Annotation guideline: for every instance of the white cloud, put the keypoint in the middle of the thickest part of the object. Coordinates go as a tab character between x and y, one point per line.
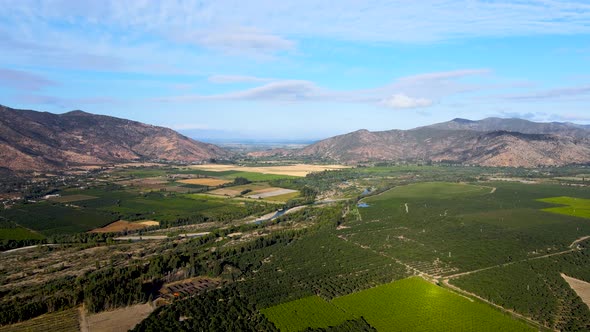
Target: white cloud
430	86
370	20
243	40
401	101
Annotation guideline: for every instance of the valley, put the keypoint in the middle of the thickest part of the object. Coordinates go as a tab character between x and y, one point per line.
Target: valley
456	229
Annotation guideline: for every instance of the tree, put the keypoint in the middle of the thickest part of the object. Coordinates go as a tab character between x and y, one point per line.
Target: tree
239	181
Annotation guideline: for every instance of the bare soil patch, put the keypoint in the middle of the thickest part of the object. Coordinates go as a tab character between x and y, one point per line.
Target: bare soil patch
300	170
122	225
118	320
226	192
271	192
581	287
212	182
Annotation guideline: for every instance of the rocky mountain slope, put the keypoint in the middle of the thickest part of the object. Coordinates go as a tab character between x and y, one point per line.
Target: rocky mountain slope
490	142
31	140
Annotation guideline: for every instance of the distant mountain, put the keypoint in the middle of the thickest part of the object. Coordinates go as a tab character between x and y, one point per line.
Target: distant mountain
516	125
31	140
490	142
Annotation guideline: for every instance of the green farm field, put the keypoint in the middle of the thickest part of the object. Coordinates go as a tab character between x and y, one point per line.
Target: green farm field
309	312
416	305
229	175
447	228
19	233
109	205
570	206
407	305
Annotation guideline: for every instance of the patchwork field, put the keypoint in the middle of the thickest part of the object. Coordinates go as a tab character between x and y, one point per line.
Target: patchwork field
210	182
256	190
298	170
122	225
407	305
113	203
309	312
570	206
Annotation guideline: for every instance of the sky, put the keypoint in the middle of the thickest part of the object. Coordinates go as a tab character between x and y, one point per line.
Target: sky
297	70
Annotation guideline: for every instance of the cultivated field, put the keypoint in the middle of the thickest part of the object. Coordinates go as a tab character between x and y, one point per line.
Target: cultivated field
256	190
570	206
120	320
71	198
291	170
536	288
407	305
309	312
417	305
122	225
63	321
210	182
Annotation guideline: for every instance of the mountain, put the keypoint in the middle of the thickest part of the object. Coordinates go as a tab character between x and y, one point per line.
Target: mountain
490	142
31	140
516	125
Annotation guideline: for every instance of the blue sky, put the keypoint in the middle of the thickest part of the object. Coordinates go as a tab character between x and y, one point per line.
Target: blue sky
297	69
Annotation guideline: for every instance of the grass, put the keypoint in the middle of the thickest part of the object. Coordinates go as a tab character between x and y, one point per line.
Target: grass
309	312
63	321
571	206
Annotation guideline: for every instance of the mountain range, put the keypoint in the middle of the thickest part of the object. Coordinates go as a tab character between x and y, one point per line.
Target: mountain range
488	142
41	141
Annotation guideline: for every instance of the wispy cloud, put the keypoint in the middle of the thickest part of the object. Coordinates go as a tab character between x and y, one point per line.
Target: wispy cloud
401	101
40	99
228	79
160	30
242	40
22	80
558	93
406	92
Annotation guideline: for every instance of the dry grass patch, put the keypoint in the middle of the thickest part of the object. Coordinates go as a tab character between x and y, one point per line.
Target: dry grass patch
120	320
582	288
272	192
226	192
122	225
300	170
211	182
